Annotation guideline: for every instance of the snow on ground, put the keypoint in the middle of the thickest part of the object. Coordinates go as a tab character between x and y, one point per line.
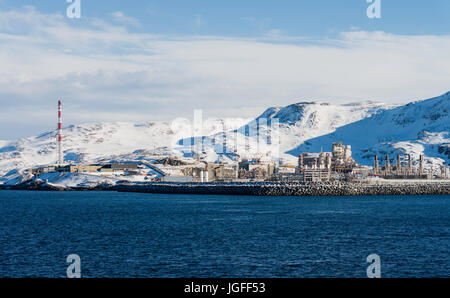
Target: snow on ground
14	177
74	179
3	143
87	143
297	124
417	128
371	128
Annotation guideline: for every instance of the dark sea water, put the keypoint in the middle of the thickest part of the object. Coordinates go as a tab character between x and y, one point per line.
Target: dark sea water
150	235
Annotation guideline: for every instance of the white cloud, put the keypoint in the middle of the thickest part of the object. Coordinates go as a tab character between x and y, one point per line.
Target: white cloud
275	34
104	72
120	17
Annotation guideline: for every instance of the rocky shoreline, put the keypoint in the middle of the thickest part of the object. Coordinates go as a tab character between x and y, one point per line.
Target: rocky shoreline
261	189
285	189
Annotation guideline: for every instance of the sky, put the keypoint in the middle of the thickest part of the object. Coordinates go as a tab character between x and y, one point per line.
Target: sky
159	60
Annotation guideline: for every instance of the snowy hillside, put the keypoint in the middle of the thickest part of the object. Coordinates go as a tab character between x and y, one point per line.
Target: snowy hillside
420	127
371	128
297	123
92	142
301	122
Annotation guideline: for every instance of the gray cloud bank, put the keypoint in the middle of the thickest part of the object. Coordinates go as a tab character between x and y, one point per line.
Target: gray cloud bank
105	72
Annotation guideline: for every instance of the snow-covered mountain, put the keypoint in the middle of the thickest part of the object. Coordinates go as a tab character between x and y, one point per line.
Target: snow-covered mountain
420	127
304	121
291	126
92	142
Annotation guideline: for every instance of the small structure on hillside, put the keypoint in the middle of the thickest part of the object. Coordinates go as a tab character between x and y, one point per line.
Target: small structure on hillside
118	168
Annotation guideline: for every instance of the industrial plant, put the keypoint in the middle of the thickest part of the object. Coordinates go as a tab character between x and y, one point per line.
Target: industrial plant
331	166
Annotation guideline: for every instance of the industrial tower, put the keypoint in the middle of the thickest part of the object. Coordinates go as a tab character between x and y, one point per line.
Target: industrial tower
59	134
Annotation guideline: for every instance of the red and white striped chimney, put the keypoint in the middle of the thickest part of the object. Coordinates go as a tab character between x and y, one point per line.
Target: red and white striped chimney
59	134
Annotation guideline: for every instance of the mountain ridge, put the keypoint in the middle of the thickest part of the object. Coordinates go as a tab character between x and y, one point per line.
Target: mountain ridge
419	127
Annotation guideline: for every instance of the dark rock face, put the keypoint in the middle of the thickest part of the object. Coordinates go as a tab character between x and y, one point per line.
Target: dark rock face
170	161
444	149
35	185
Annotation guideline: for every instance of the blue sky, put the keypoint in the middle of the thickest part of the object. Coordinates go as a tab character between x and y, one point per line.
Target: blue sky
158	60
314	18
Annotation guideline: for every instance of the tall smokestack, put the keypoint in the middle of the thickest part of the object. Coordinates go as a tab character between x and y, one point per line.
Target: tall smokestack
409	164
398	164
59	135
387	165
328	156
421	165
376	164
300	161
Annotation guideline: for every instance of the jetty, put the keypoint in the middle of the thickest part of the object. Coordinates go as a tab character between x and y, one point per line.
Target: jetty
292	189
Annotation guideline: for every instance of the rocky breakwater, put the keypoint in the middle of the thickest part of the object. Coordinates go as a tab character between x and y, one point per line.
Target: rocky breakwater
291	189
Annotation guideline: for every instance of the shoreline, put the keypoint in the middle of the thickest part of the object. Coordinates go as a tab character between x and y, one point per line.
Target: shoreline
260	188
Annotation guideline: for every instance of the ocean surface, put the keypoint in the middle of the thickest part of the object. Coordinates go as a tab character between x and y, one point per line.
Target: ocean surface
152	235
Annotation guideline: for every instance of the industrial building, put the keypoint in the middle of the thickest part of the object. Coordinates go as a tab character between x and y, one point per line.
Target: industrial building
92	168
78	168
257	169
328	166
403	170
336	165
339	165
116	168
